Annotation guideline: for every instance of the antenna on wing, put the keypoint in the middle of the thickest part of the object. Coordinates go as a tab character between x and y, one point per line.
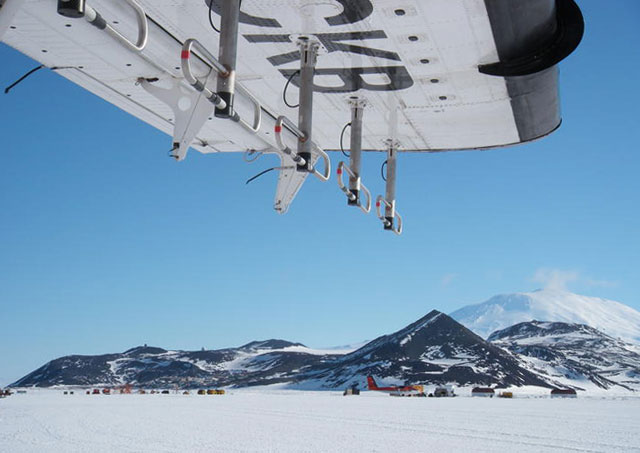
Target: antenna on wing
391	219
356	188
32	71
284	92
307	151
264	172
208	89
37	68
344	129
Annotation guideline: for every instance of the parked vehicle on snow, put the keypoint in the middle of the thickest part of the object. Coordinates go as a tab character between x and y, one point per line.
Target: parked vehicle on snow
563	393
483	391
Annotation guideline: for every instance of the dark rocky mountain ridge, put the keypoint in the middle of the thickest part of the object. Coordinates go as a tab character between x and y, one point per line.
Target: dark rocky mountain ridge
435	349
574	354
251	364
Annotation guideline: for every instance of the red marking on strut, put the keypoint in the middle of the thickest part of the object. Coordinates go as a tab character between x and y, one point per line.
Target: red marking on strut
278	129
185	54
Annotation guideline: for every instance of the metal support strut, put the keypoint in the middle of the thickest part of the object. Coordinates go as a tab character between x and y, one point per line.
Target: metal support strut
283	121
79	8
308	58
187	48
355	184
356	150
229	20
389	200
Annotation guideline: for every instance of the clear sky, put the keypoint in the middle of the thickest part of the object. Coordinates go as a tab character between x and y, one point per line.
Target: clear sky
106	243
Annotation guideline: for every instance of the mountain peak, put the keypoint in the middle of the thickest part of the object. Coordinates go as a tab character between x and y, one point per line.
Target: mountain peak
433	349
552	305
425	321
272	343
140	350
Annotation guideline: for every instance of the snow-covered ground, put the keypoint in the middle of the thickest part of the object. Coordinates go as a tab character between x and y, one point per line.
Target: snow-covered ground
283	421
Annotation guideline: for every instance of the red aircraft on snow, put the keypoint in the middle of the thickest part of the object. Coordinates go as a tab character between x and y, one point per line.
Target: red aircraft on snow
395	390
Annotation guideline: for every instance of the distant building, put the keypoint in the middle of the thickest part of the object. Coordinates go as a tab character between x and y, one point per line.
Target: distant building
483	391
563	393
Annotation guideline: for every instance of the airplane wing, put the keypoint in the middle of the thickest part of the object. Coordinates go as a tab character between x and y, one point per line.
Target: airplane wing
436	75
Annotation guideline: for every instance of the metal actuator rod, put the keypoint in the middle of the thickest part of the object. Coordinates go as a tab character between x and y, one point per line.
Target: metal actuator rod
390	192
308	58
357	109
391	219
229	20
356	188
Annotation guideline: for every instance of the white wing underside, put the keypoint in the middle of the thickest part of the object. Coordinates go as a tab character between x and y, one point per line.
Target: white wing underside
420	66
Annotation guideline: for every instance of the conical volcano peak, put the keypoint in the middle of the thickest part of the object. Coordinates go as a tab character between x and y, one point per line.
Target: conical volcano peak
551	305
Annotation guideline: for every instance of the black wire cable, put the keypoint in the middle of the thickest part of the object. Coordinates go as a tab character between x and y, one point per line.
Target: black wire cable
210	19
6	90
267	171
53	68
384	164
261	173
284	92
344	129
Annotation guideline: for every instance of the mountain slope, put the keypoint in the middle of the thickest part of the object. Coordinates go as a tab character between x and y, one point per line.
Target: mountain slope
433	350
574	354
613	318
255	363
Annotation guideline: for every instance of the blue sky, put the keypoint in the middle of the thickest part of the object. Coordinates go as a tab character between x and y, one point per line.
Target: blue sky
106	243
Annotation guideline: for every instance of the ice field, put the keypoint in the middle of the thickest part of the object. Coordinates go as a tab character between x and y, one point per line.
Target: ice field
295	421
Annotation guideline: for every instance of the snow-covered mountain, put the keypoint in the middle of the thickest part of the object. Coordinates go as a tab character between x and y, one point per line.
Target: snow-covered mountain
575	355
258	362
433	350
613	318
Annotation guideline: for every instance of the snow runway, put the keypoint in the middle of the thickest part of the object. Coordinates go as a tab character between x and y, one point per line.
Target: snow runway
313	421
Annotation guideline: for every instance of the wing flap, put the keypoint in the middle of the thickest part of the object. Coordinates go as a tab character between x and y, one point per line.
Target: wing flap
289	184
